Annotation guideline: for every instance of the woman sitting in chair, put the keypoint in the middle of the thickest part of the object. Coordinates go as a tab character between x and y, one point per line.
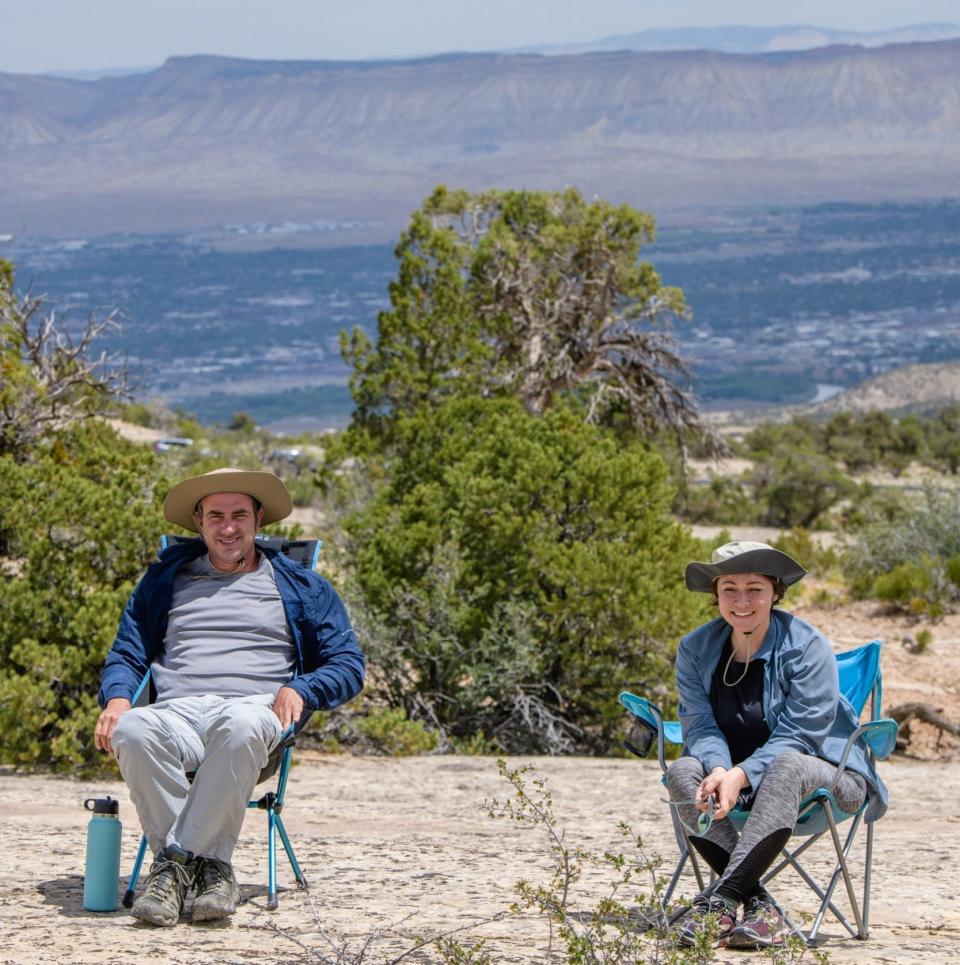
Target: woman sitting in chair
763	726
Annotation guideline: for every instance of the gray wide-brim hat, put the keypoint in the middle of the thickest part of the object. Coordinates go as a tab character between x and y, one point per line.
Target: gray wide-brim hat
743	556
265	487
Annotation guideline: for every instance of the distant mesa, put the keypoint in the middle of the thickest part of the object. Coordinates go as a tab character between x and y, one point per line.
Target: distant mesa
210	140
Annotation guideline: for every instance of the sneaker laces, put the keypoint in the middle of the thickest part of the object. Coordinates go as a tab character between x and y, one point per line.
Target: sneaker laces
165	875
761	902
211	873
712	905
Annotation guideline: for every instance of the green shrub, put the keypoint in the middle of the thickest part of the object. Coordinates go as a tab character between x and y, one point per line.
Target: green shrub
516	572
952	570
795	487
303	489
822	596
138	414
819	559
920	588
903	583
722	500
911	559
475	745
80	518
390	731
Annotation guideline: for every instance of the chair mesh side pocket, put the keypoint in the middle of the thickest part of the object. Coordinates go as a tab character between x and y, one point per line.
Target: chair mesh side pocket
639	737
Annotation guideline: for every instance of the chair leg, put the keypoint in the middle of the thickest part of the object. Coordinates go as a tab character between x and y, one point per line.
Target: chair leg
867	874
288	847
675	878
686	852
790	860
127	900
825	898
834	879
695	864
842	861
271	860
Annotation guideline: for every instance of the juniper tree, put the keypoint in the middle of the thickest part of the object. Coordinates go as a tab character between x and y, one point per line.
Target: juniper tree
516	571
539	295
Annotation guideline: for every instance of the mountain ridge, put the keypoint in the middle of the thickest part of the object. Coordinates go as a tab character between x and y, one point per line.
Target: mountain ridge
206	138
920	387
734	38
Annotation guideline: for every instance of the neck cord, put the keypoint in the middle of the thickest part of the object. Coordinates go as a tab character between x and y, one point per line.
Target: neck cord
746	667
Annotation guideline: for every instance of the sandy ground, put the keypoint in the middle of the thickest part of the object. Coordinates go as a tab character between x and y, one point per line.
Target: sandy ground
404	843
403	846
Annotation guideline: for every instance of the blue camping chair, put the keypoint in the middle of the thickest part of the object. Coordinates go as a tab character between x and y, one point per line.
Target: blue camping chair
306	552
819	814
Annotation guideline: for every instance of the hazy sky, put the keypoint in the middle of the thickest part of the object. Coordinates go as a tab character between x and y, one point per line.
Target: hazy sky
38	35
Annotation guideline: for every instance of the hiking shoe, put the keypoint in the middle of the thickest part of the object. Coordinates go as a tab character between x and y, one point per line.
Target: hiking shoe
711	914
217	890
171	875
762	925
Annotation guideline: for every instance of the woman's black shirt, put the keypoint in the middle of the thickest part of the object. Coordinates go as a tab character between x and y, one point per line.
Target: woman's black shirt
738	709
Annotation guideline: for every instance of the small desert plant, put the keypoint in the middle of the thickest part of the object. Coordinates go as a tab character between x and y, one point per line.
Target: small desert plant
629	925
613	932
923	638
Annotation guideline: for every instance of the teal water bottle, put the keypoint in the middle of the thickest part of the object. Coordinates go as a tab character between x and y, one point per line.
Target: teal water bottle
101	879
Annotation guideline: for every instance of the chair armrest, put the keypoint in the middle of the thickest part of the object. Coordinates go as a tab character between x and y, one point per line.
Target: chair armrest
649	714
880	736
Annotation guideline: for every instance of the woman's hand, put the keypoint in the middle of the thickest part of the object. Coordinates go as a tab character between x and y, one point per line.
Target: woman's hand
725	786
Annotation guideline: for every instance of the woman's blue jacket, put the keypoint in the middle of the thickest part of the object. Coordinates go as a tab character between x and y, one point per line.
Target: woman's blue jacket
802	703
329	666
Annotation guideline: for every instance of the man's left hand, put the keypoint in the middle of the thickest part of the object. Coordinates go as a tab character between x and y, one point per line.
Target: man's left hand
288	706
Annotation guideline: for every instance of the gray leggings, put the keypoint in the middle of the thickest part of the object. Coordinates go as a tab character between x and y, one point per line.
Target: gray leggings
741	862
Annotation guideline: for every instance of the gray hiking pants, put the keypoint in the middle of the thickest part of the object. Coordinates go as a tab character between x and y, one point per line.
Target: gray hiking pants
226	740
741	861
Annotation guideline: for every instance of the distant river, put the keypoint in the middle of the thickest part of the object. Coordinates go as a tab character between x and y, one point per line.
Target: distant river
825	392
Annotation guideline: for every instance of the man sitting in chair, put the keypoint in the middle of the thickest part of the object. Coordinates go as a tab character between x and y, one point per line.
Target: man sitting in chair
241	643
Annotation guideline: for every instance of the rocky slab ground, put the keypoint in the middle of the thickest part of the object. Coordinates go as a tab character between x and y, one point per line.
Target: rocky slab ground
402	847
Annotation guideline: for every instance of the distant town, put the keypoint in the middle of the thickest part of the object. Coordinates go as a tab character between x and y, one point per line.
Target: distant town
788	305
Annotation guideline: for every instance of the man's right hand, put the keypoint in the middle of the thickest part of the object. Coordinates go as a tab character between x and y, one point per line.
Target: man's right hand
107	723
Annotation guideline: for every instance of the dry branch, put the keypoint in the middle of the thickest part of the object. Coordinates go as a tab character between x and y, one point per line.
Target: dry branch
906	714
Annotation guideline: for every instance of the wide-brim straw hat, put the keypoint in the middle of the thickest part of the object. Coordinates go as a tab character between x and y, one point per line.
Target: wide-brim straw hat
267	488
743	556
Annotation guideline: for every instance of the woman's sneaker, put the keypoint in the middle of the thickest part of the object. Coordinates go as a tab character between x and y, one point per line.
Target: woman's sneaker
761	927
710	914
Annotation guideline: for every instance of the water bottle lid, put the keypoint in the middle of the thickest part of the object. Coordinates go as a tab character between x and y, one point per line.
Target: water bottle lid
102	805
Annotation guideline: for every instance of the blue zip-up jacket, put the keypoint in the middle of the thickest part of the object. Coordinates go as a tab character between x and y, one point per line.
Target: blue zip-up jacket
329	665
802	703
